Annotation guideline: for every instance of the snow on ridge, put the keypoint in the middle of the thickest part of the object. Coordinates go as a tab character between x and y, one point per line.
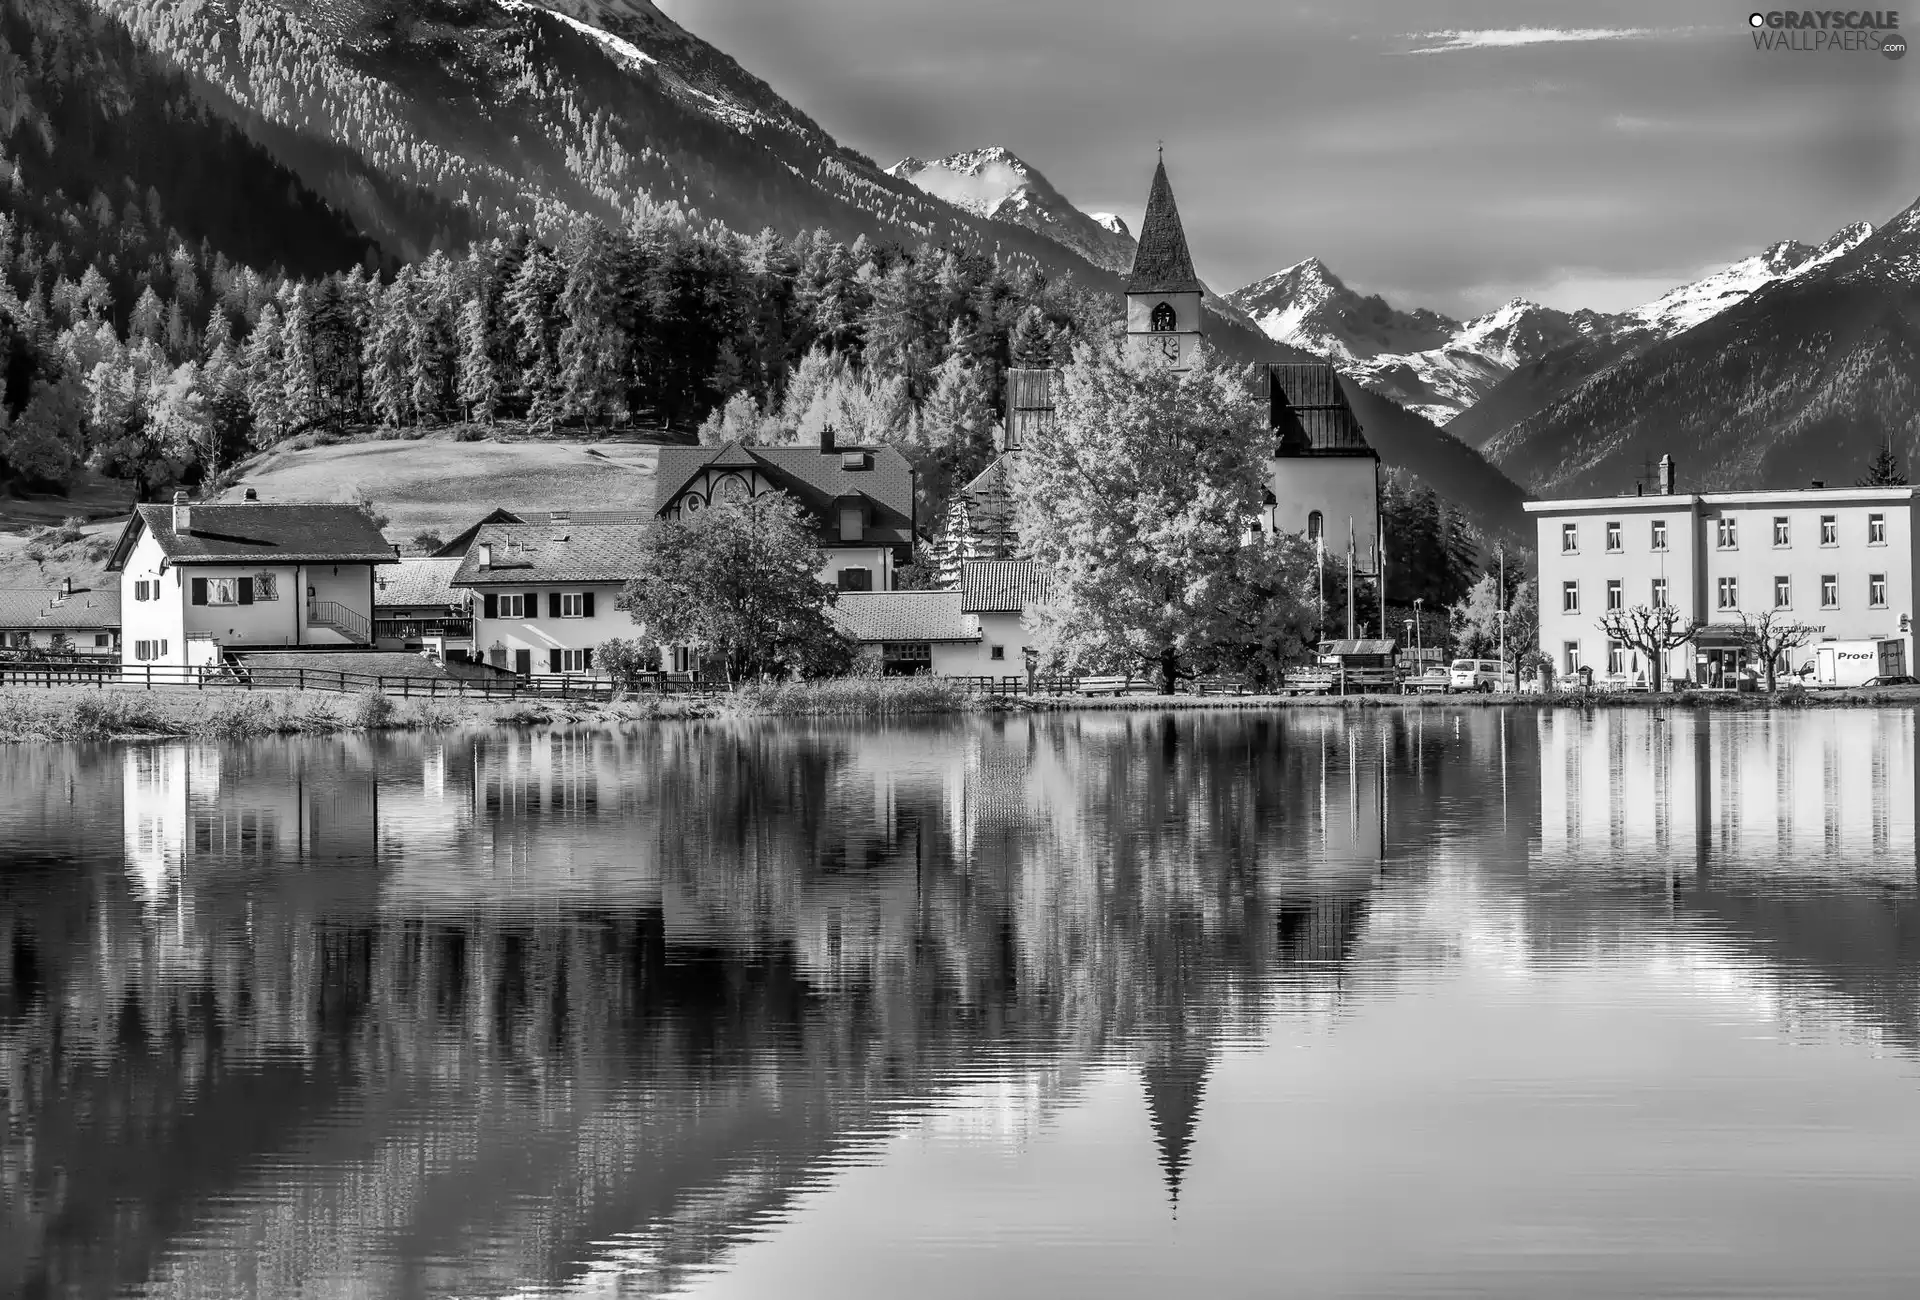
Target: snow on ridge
620	45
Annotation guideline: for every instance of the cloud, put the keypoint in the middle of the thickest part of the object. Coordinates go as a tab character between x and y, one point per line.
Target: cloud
1501	38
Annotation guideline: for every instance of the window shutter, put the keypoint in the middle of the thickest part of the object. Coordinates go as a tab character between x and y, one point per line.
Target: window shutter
586	605
553	604
246	591
533	605
490	605
586	656
553	661
199	591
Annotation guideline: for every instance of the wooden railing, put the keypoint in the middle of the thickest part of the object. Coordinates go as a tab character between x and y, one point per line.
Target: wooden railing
412	629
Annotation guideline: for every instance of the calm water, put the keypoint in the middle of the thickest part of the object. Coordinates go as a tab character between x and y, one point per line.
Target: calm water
1435	1003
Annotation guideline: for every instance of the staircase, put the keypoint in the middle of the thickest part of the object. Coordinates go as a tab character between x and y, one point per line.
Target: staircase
352	627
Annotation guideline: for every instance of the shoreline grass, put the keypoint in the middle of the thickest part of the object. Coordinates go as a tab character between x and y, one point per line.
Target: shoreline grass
80	713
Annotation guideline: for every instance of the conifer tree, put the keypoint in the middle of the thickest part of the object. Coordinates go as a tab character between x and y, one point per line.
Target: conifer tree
266	378
299	380
479	385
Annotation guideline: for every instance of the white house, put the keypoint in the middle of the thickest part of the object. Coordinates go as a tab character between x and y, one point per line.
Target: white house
545	593
916	633
32	618
200	581
1839	560
415	607
862	499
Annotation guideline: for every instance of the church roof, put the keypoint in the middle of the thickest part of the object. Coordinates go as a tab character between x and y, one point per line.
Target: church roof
1310	415
1162	264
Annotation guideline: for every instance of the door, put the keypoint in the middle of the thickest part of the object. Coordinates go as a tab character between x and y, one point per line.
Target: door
523	662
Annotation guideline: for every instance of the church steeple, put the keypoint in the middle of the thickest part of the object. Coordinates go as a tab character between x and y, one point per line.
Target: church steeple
1176	1080
1163	293
1161	263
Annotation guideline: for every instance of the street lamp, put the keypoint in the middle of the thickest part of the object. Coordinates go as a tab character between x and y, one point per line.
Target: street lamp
1500	615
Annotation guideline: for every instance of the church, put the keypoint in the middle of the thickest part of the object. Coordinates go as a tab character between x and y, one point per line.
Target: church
1322	477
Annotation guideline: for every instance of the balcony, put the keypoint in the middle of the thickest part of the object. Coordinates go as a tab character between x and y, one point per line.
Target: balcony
416	629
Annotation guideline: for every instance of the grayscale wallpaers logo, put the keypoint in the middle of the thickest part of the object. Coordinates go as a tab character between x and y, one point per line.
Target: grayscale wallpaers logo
1874	31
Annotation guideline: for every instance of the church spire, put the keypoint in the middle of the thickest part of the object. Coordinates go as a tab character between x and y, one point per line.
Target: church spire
1161	264
1176	1080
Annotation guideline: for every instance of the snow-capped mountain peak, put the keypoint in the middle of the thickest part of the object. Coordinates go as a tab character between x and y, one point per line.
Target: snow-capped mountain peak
1682	308
996	183
1308	306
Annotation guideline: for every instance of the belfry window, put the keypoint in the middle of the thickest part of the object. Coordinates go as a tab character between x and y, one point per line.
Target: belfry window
1162	319
1316	525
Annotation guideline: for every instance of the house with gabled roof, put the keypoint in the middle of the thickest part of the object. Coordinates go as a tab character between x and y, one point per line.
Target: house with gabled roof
862	499
415	607
1323	477
33	619
201	581
544	594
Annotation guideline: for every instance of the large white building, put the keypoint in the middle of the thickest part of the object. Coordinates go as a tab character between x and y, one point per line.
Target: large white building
1839	560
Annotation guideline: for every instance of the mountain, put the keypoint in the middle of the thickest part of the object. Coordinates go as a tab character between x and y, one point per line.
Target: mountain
1805	377
1536	383
1308	307
995	184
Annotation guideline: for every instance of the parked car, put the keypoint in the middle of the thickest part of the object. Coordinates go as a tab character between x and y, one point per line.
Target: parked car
1475	675
1891	679
1435	680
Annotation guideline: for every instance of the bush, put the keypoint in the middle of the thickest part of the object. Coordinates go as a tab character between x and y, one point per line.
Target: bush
855	696
373	710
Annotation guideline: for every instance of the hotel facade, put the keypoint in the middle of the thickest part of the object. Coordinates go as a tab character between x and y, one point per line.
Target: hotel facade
1840	560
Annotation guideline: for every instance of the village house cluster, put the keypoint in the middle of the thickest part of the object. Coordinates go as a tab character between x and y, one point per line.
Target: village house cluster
203	585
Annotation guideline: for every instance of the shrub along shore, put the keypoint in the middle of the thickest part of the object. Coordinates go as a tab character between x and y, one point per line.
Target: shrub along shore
123	713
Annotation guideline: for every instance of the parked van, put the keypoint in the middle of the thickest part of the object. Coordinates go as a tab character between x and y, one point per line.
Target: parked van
1851	663
1474	675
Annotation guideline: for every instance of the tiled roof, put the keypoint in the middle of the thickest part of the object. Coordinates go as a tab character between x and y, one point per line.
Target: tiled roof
45	609
415	582
1162	264
1001	586
1309	412
875	616
458	546
816	477
525	553
252	532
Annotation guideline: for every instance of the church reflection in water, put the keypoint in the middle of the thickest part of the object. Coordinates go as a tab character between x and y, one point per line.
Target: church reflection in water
459	1013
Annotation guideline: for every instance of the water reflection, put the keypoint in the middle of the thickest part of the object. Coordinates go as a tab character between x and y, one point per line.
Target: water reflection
439	1015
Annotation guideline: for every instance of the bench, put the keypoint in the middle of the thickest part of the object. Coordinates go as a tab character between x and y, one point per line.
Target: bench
1105	685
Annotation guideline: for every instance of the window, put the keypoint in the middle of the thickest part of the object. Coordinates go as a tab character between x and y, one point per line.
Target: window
1659	534
266	586
1614	600
1616	658
1316	526
1571	657
997	652
1877	590
573	604
1876	530
1570	598
1829	530
856	579
1829	591
1162	319
1783	593
101	640
1729	593
852	523
144	590
1569	538
1613	534
1780	533
571	661
1659	592
149	650
1729	534
513	606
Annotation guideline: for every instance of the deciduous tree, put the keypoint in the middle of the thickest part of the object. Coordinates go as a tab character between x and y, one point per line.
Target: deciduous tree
1768	635
1653	630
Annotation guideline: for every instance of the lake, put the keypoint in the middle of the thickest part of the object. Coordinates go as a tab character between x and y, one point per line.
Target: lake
1318	1003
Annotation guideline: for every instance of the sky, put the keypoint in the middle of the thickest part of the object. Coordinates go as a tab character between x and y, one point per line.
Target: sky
1450	154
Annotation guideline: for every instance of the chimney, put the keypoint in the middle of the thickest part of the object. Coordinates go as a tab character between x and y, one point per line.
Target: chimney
253	494
396	550
66	587
1666	475
826	438
1639	488
486	554
182	514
